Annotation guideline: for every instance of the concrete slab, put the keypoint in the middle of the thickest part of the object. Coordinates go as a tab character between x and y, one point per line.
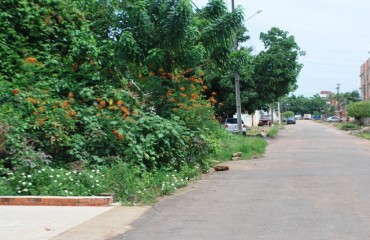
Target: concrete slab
42	222
116	221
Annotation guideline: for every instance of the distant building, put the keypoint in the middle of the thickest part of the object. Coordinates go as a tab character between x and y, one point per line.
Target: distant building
365	80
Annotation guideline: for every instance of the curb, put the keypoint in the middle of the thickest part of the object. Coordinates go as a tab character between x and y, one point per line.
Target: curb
55	201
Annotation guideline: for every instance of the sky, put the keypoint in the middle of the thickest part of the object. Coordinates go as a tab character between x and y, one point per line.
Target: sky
334	34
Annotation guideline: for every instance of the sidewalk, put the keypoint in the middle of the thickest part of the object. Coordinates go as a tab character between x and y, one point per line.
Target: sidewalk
49	222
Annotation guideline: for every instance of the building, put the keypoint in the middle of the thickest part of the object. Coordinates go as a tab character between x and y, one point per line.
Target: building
365	80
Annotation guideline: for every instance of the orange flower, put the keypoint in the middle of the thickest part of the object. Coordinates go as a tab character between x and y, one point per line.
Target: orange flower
40	121
160	70
112	107
125	110
119	102
15	91
212	99
214	93
31	60
194	96
98	99
102	103
120	137
184	95
152	74
75	66
182	88
171	76
71	113
32	100
64	104
71	95
115	132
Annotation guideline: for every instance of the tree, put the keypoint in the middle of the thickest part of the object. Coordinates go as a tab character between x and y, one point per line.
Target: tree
359	109
277	68
288	114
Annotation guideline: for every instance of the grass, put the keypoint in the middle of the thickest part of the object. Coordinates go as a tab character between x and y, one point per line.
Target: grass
248	146
273	132
349	126
363	135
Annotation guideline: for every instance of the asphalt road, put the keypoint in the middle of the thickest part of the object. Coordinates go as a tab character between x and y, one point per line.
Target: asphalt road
313	183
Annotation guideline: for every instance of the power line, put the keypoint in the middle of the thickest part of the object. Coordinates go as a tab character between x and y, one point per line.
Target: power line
332	65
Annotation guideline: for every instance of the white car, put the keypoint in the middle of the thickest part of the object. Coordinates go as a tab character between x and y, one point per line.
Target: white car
231	124
333	119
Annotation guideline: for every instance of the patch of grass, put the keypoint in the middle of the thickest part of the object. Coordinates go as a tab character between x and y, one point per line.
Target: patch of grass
363	135
248	146
348	126
273	132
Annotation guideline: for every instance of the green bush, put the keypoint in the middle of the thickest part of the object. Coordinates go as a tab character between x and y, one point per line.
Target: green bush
359	109
54	181
273	132
348	126
133	185
288	114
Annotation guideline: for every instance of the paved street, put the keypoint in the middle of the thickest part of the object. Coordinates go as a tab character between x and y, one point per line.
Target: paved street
313	183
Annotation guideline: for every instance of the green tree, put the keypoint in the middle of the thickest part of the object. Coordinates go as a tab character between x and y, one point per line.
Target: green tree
359	109
277	68
288	114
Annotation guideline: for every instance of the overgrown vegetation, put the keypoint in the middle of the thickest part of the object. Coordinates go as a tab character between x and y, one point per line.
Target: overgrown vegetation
273	132
120	96
349	126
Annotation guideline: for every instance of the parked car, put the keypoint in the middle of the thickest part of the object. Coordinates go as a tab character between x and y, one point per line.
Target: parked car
333	119
307	116
298	117
265	120
290	120
231	124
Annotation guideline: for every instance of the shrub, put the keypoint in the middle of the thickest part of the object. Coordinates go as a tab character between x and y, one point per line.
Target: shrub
347	126
288	114
359	109
54	181
273	132
133	185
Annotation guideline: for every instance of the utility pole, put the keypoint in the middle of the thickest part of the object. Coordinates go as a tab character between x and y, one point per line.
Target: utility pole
339	113
237	83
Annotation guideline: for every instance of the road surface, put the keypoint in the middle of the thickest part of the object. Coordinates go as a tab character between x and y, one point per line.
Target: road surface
313	183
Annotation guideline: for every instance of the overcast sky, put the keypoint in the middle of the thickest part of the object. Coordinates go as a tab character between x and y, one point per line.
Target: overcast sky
335	35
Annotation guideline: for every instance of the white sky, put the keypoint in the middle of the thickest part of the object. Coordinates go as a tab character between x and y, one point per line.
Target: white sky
334	34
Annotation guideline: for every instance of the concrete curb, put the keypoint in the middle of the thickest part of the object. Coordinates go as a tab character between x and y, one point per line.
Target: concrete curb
56	201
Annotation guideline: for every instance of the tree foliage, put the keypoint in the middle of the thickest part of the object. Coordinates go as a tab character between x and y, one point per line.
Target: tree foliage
96	82
359	109
277	68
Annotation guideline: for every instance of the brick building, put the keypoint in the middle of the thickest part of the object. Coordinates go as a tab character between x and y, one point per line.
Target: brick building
365	80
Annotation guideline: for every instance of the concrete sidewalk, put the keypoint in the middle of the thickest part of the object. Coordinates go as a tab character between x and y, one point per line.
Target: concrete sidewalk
49	222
